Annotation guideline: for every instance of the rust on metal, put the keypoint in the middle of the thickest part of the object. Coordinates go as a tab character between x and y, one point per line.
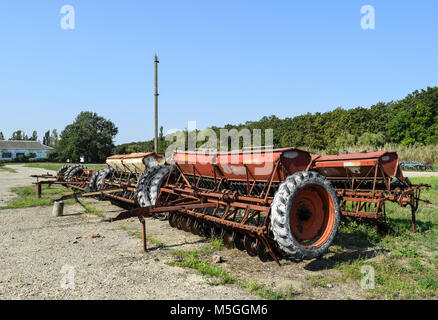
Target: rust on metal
231	193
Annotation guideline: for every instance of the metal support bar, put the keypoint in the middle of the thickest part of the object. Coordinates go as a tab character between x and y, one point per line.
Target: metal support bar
148	211
38	189
143	225
156	104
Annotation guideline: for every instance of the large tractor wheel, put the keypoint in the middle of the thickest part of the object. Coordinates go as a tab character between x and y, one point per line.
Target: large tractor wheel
105	173
75	171
67	171
305	215
149	186
61	172
157	181
93	180
143	186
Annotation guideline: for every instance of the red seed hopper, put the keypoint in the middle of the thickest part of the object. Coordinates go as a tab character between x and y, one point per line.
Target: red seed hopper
364	181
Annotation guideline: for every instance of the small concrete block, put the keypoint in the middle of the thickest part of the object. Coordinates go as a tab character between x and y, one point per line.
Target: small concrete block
58	208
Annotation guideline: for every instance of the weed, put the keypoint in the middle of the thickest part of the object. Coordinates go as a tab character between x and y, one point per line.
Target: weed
8	169
93	210
27	197
56	166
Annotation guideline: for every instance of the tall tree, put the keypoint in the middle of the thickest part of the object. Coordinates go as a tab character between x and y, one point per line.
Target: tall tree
46	138
18	135
34	136
53	140
89	136
1	136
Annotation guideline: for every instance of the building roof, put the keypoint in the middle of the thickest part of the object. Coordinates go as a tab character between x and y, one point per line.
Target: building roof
22	144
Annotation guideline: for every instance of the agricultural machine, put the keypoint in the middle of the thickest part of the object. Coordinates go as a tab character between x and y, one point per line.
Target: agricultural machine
117	182
280	203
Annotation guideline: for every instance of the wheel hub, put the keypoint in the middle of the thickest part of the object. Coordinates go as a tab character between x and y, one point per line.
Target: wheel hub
304	213
310	213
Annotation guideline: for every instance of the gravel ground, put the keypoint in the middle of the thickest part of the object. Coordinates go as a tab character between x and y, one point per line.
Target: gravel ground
37	249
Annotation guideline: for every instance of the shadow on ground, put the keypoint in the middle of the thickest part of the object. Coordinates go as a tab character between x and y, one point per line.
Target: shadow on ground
329	262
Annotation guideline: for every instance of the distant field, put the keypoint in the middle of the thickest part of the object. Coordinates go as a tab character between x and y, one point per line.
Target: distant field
56	166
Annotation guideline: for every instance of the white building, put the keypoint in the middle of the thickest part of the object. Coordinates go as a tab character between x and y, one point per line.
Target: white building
11	149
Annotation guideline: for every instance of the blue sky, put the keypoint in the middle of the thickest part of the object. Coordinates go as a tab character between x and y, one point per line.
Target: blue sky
220	61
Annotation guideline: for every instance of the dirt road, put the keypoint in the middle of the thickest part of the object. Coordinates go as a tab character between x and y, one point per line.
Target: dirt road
20	178
412	174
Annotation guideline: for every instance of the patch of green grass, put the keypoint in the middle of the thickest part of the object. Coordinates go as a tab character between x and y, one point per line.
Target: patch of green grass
352	233
196	260
56	166
139	235
434	261
27	197
156	242
406	273
409	268
216	243
405	263
27	202
268	293
93	210
190	259
428	194
46	190
317	280
8	169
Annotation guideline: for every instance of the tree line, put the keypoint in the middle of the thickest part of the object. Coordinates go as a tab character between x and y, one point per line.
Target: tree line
21	135
407	122
412	121
49	139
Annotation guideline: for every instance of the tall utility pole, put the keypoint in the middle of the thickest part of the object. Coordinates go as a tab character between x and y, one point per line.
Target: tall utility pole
156	104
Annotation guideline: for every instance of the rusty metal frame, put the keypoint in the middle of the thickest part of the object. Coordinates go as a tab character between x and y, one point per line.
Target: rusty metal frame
240	210
362	200
230	203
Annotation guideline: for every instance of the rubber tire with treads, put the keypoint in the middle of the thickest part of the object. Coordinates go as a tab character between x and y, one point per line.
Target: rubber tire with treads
67	172
157	181
143	186
281	217
62	171
78	170
93	180
103	174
